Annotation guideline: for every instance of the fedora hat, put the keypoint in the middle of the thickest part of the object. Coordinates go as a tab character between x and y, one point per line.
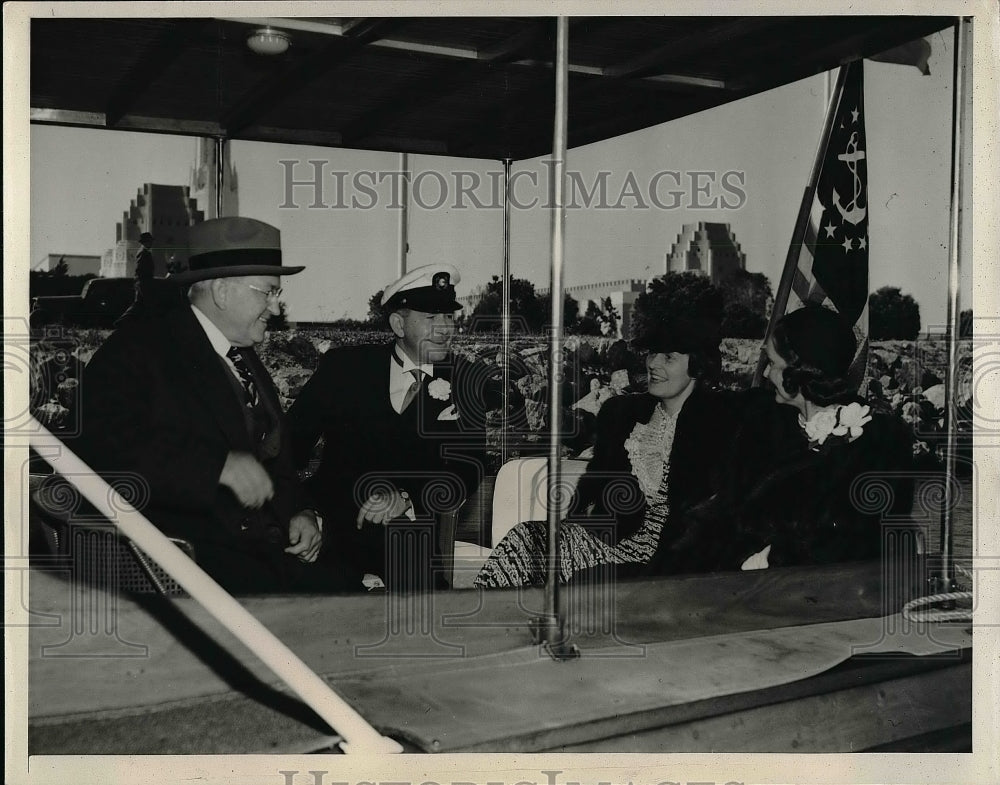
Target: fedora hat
232	247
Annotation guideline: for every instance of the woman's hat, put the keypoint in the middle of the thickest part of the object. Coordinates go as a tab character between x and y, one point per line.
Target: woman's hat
683	334
232	247
820	337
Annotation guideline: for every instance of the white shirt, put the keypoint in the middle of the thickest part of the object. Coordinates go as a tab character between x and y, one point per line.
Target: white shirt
400	377
220	343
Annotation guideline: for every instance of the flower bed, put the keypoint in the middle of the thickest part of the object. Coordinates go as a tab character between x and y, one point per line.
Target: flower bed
904	377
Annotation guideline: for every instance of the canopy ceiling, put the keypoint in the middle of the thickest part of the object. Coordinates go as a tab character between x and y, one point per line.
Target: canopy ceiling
477	87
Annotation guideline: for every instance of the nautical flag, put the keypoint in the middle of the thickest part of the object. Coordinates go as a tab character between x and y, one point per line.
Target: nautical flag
833	264
832	267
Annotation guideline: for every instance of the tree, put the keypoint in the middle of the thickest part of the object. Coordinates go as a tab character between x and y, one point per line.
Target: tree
740	321
893	315
524	303
751	290
688	294
571	311
377	318
747	301
600	318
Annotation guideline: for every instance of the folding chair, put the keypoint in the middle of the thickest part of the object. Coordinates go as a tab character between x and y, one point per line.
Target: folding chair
521	492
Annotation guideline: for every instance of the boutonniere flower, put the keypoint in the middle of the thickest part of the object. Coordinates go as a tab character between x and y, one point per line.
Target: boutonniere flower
440	389
844	421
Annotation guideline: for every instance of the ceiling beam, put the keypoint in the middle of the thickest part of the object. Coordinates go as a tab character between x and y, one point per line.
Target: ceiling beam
683	45
447	78
168	45
298	74
873	37
515	46
166	125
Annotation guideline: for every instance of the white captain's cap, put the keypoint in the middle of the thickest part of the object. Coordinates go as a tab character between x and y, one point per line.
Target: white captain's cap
430	289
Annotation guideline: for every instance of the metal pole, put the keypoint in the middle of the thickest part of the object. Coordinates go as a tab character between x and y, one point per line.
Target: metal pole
505	316
358	736
404	216
220	153
945	579
552	618
801	223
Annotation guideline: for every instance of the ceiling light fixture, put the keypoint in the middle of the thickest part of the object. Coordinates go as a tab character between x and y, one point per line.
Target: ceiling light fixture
268	41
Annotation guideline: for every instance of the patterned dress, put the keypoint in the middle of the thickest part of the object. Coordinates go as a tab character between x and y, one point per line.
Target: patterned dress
520	557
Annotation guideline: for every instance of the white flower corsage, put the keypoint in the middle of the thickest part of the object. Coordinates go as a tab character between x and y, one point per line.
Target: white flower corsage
851	420
440	389
820	425
846	421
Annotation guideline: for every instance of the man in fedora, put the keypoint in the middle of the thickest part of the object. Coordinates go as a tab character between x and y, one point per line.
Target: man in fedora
182	401
403	426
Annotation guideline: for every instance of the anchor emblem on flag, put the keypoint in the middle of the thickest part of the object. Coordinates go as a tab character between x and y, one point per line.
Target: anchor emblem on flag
851	155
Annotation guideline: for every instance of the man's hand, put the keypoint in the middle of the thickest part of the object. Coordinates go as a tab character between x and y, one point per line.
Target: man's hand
383	506
247	479
304	536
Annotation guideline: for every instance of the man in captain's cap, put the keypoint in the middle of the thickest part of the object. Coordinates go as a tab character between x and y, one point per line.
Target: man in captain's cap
181	399
403	429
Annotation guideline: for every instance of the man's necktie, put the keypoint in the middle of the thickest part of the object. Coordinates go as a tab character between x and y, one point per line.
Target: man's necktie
246	378
412	390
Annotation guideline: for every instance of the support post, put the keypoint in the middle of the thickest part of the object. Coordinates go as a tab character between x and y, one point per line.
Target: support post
551	623
944	580
505	317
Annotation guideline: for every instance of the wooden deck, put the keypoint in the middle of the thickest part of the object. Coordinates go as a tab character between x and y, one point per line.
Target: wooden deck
782	660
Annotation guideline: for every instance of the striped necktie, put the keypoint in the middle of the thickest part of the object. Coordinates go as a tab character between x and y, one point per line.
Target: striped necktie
246	378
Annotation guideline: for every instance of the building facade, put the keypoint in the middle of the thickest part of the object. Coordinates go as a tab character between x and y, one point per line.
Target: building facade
76	264
709	248
216	199
622	293
166	212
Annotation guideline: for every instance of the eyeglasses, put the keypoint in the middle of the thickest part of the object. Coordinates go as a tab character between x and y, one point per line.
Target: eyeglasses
271	294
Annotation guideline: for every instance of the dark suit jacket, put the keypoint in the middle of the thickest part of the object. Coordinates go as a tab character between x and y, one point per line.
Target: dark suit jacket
346	401
608	491
158	403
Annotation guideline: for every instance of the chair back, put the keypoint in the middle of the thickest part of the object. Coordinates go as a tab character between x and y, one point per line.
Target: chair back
96	551
521	492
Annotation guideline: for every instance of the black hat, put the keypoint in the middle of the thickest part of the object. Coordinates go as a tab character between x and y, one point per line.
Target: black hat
430	289
819	337
146	238
682	334
233	247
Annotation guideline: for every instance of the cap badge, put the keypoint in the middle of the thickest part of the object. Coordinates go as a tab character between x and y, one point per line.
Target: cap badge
441	280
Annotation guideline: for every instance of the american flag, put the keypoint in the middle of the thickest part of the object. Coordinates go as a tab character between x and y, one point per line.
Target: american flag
833	263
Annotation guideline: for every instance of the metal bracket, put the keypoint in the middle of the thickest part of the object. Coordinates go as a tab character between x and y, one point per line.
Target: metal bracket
548	633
